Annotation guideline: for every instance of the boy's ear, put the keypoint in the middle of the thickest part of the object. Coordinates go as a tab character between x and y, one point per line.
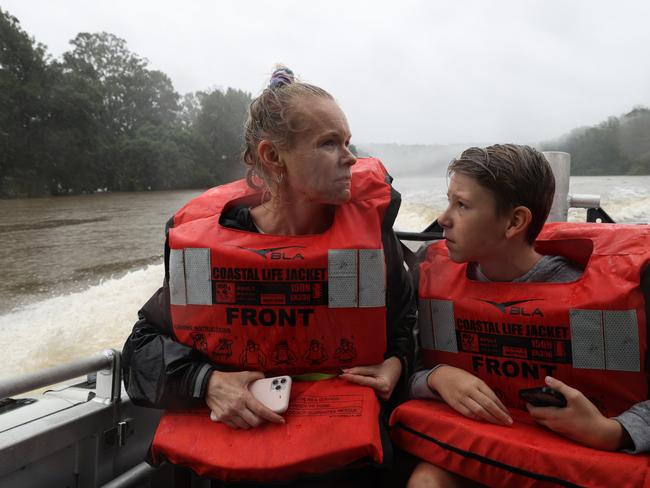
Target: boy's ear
519	221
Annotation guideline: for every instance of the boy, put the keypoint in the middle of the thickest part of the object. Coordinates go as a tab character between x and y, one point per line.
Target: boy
499	198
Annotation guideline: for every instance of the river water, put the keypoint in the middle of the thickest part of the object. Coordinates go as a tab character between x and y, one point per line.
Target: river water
76	269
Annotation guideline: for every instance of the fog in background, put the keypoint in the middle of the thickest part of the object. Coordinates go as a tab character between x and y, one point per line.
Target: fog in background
408	72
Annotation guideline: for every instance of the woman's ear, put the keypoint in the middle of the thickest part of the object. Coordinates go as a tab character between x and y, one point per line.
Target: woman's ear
269	156
519	221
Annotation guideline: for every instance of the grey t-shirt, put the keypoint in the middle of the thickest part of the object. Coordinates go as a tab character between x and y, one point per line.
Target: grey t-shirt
552	269
549	269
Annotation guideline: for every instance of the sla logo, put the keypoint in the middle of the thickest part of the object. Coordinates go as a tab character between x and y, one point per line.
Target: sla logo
511	308
277	252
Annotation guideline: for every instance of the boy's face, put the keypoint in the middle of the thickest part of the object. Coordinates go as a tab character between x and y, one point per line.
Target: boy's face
473	231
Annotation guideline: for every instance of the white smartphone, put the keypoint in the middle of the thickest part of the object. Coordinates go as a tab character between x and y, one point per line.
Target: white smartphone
273	392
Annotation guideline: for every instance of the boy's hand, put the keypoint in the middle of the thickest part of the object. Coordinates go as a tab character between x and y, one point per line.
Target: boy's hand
468	395
580	420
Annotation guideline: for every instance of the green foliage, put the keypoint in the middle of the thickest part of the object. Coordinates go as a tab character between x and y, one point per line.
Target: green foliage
621	145
100	118
25	99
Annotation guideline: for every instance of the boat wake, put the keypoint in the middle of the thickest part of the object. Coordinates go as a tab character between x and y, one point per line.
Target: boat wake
67	327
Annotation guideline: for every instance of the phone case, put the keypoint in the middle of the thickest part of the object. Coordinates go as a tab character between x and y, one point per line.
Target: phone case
273	392
543	397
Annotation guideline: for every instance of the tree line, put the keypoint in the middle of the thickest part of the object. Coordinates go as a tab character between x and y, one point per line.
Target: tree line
100	119
617	146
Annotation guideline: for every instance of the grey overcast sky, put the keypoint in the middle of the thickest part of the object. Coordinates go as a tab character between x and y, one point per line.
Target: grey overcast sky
404	71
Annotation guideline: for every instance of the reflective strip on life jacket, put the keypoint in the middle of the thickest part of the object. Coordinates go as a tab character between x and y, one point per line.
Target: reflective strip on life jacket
357	277
190	277
600	339
605	339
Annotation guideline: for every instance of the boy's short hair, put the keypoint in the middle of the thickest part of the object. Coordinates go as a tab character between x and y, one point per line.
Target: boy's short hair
516	175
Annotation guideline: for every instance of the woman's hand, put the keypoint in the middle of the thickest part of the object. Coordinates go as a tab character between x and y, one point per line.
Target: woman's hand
381	377
580	420
233	404
468	395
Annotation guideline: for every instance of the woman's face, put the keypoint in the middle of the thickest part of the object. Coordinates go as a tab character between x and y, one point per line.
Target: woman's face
317	166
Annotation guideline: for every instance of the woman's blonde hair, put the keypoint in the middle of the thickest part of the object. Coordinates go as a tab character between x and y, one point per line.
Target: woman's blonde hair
273	116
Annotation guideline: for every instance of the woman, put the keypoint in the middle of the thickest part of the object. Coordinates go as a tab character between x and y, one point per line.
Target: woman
300	196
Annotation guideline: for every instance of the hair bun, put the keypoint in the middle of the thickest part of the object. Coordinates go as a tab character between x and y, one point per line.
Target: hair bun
281	76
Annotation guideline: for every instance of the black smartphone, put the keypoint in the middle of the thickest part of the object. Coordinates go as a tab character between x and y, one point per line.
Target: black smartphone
543	396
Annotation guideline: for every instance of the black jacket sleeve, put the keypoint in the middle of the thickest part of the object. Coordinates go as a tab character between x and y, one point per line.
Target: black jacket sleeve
159	371
400	305
414	274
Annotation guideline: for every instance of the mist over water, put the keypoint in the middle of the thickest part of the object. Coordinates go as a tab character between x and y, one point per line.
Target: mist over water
77	269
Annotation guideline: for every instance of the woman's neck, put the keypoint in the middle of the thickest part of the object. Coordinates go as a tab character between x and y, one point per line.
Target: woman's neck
295	218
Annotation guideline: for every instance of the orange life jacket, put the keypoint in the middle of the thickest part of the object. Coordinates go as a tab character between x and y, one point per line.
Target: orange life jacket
522	455
590	333
282	305
330	425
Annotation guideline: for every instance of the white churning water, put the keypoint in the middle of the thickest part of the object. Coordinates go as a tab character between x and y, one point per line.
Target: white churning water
67	327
